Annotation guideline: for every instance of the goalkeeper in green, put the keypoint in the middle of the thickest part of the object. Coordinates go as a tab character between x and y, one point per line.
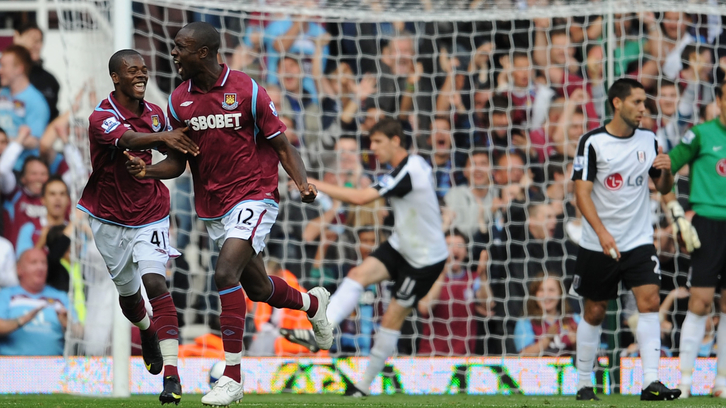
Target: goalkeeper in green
704	149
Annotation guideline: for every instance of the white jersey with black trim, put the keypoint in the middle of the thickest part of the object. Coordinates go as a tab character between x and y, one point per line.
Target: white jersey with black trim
619	168
417	231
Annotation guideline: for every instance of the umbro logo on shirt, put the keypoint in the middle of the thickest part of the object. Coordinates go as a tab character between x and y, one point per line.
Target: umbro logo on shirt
717	148
186	103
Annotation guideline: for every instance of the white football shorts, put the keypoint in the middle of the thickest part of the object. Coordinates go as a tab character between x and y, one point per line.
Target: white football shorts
249	220
123	247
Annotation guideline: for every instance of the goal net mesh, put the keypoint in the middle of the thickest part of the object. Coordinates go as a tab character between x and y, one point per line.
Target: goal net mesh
494	94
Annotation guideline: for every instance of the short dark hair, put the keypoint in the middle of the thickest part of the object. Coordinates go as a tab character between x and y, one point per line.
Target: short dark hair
28	26
22	55
117	59
205	35
53	179
457	233
621	89
499	103
519	54
390	127
691	49
29	160
665	82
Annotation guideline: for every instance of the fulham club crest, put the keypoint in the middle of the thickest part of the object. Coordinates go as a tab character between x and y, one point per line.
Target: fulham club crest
230	101
641	156
155	123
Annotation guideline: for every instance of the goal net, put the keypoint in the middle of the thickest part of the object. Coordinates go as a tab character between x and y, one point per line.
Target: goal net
494	94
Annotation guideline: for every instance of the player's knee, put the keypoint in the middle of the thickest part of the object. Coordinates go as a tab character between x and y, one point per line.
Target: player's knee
700	306
356	274
258	291
595	314
153	275
225	278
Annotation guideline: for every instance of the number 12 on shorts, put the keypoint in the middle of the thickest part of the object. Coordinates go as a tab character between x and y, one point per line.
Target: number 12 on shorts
248	214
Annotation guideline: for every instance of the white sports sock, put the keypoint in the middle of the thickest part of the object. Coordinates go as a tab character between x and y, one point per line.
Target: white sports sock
588	340
648	333
721	353
694	328
385	345
344	301
169	351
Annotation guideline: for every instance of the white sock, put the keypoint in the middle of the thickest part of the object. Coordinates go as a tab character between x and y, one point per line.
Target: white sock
344	301
648	333
384	346
588	340
694	328
170	351
144	324
306	301
721	353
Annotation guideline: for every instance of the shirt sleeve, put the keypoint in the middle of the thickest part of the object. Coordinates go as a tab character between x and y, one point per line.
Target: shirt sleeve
268	120
106	128
37	115
523	334
173	119
394	186
686	151
585	165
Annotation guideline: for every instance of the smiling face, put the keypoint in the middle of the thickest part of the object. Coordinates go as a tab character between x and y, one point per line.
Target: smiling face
32	39
542	221
35	174
478	170
33	270
132	77
10	69
548	296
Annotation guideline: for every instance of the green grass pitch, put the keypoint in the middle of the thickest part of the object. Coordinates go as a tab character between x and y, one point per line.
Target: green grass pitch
295	400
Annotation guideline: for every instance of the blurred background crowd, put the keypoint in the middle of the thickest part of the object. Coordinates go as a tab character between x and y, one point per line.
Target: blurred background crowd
496	108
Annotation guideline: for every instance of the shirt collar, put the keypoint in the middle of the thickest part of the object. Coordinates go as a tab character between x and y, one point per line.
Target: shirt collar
123	112
220	81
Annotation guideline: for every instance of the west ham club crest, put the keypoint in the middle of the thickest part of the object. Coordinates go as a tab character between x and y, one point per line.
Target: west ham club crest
230	101
155	123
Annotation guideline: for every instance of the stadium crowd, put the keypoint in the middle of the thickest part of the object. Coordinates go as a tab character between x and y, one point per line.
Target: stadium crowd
496	108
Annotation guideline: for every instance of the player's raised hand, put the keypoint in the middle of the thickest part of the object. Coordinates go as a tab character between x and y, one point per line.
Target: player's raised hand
178	140
135	166
682	225
308	192
662	161
609	247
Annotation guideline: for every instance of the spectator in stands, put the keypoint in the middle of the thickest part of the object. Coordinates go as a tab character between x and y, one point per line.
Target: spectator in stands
570	127
23	208
530	99
440	158
472	203
21	104
696	89
594	75
342	98
22	331
297	102
450	326
294	37
30	36
500	124
548	328
57	202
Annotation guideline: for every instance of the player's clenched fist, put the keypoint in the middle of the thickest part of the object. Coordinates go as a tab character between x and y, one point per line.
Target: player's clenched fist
135	166
308	192
662	161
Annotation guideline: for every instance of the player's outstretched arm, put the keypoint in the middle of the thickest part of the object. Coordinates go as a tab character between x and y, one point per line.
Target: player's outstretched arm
356	196
174	139
664	181
583	193
171	167
294	166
